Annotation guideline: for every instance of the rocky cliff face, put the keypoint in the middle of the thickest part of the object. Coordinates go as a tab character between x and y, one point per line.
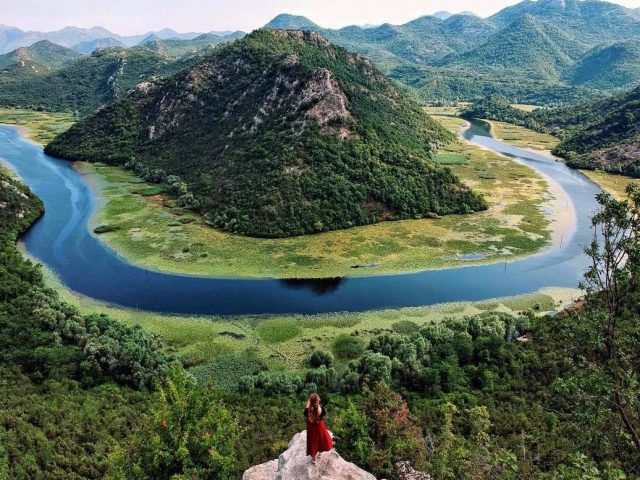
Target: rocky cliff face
294	464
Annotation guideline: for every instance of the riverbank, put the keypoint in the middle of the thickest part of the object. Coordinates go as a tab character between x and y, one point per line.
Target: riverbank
523	137
39	127
543	143
150	230
223	349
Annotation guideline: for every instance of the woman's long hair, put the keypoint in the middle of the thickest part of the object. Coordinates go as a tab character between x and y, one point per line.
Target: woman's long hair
313	408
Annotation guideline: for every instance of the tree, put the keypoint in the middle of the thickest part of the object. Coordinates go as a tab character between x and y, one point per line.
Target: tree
605	337
320	357
190	435
395	432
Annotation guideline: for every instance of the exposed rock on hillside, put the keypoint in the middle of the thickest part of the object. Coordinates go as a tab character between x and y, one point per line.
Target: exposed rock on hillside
294	464
405	471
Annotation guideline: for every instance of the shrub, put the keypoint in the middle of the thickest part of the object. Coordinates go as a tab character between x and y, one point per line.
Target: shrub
320	357
347	347
191	435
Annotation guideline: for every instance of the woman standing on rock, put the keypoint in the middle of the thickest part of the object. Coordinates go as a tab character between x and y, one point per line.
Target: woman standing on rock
318	437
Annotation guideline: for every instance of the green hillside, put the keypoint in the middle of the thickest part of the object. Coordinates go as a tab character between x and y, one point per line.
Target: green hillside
200	44
611	66
279	134
529	46
545	51
88	83
43	53
88	47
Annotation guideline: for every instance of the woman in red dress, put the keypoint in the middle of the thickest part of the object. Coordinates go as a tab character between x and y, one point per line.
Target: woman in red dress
318	437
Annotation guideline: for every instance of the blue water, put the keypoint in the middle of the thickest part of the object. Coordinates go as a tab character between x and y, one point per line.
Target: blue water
62	241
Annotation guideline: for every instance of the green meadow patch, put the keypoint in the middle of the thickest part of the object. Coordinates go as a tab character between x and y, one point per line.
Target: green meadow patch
277	330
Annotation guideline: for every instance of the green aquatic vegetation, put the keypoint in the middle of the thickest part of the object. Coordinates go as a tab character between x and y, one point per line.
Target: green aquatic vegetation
225	370
278	330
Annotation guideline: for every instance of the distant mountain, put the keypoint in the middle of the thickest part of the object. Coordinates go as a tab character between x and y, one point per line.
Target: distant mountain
89	82
67	37
176	48
12	38
279	134
442	15
164	34
87	48
44	54
611	66
532	47
531	51
292	22
590	21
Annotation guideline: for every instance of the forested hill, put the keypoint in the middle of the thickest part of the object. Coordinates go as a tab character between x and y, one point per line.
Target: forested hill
279	134
42	55
603	134
87	83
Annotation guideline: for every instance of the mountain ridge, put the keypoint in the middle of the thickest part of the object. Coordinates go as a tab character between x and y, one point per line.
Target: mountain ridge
44	53
425	47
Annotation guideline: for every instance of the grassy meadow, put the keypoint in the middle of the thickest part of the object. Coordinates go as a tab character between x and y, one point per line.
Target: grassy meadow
612	184
523	137
41	127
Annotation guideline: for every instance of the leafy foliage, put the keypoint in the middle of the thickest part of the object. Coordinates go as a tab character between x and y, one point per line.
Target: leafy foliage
191	435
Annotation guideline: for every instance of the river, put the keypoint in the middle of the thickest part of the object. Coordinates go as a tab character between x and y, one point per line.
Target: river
62	241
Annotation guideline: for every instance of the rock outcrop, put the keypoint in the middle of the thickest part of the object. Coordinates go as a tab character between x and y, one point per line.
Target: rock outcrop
294	464
405	471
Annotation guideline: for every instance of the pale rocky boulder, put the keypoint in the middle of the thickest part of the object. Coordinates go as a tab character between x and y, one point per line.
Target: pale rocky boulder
294	464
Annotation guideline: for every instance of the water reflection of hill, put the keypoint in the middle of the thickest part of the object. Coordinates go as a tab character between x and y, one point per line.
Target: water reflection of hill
319	286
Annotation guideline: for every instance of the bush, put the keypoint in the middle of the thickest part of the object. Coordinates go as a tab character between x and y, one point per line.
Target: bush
320	357
347	347
191	435
405	327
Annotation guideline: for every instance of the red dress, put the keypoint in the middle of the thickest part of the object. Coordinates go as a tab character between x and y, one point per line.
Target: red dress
318	437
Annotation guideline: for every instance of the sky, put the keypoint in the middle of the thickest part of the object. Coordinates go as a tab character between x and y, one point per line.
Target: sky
128	17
